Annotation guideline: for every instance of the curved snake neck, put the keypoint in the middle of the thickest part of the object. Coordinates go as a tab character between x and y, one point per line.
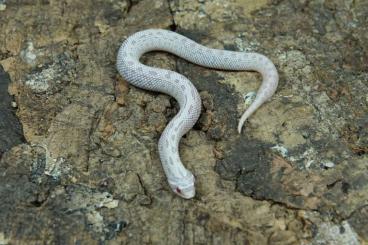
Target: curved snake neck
180	179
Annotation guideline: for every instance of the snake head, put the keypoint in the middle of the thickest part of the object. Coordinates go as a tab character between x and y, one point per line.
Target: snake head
184	186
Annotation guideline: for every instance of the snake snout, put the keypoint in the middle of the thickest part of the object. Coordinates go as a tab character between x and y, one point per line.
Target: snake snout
187	192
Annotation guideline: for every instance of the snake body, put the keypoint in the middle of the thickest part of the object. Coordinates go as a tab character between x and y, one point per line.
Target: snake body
179	178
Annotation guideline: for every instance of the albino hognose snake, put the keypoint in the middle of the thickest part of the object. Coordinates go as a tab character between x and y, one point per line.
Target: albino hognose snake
180	179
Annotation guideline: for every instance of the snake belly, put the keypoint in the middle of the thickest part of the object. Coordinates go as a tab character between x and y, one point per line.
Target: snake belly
181	180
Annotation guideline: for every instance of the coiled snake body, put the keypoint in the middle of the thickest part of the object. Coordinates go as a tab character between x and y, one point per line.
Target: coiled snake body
179	178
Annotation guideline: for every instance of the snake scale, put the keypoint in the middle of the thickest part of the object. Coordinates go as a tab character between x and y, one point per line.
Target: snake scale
181	180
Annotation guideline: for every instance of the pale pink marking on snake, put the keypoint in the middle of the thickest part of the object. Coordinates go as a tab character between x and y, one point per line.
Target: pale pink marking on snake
181	180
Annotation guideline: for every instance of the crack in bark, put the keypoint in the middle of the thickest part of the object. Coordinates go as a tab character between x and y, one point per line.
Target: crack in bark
145	192
173	26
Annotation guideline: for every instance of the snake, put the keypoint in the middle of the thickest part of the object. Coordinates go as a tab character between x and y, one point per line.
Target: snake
180	179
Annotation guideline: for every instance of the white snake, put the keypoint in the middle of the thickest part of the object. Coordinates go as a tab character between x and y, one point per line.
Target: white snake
179	178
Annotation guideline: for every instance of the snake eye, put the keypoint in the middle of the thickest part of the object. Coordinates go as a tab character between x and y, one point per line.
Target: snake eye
178	190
